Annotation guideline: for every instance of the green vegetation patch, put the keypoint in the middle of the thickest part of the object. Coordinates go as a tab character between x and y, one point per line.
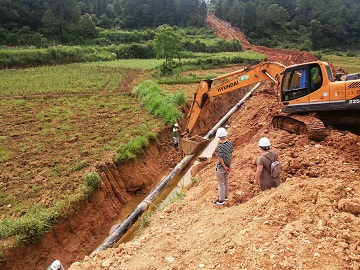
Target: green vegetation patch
62	79
349	63
196	61
56	138
143	64
159	102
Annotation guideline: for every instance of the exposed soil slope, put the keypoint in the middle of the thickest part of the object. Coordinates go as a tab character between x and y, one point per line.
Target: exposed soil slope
286	57
311	221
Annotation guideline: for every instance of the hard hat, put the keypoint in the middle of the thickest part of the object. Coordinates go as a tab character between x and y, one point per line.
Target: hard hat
176	125
264	142
56	265
221	132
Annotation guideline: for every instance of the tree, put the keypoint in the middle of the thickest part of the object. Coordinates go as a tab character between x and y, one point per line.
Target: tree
51	25
86	27
9	14
277	16
167	43
248	20
67	11
105	22
316	33
190	12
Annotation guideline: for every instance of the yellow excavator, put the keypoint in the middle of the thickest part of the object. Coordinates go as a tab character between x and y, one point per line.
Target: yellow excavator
304	88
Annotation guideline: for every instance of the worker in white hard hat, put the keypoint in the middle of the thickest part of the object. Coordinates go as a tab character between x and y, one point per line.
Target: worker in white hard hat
223	166
56	265
263	168
175	135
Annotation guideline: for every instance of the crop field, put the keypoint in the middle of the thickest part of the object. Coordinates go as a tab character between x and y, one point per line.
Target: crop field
56	122
87	78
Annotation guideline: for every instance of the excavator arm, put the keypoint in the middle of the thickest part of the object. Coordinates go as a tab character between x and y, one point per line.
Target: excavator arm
232	81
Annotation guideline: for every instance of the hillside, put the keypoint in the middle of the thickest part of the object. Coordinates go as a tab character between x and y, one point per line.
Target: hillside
309	222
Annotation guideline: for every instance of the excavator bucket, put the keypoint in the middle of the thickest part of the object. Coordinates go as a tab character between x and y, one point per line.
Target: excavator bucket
193	144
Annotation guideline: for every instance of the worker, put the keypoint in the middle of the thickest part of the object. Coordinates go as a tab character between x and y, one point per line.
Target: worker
175	134
223	166
56	265
262	174
316	79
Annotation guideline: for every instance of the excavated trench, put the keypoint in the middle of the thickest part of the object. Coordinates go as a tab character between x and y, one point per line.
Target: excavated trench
80	232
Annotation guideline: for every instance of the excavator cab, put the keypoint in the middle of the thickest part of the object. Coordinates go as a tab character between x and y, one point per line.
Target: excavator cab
301	81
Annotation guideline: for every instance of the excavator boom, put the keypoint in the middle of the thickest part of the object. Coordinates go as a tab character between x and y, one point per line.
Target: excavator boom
267	71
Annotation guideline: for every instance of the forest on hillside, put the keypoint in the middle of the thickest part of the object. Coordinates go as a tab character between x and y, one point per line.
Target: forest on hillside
299	24
302	24
24	22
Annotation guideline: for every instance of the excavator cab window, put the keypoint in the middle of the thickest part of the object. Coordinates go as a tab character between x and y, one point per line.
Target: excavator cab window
300	81
295	83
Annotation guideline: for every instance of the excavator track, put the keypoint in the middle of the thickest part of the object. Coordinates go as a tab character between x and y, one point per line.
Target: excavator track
301	124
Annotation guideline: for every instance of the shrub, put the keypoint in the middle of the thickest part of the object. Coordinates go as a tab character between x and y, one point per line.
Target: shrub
92	180
351	54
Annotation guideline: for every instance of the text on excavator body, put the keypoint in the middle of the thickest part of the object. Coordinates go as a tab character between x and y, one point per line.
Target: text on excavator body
232	84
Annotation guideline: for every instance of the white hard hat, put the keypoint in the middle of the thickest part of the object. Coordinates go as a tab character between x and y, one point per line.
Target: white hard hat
221	132
56	265
264	142
176	125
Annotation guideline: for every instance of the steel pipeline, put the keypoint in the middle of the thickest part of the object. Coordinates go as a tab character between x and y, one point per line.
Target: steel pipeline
118	232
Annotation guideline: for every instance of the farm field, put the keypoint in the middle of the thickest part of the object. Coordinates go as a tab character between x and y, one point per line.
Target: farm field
56	124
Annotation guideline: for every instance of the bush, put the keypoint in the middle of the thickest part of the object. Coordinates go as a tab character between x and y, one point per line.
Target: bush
92	180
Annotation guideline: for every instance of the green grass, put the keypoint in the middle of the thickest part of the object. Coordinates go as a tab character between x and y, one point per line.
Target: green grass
87	78
249	55
159	102
351	64
63	79
142	64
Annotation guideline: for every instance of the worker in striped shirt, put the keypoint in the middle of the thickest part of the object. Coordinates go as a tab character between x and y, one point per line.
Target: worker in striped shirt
223	166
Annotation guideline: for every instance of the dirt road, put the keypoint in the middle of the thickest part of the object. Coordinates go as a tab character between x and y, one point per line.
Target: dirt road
311	221
286	57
